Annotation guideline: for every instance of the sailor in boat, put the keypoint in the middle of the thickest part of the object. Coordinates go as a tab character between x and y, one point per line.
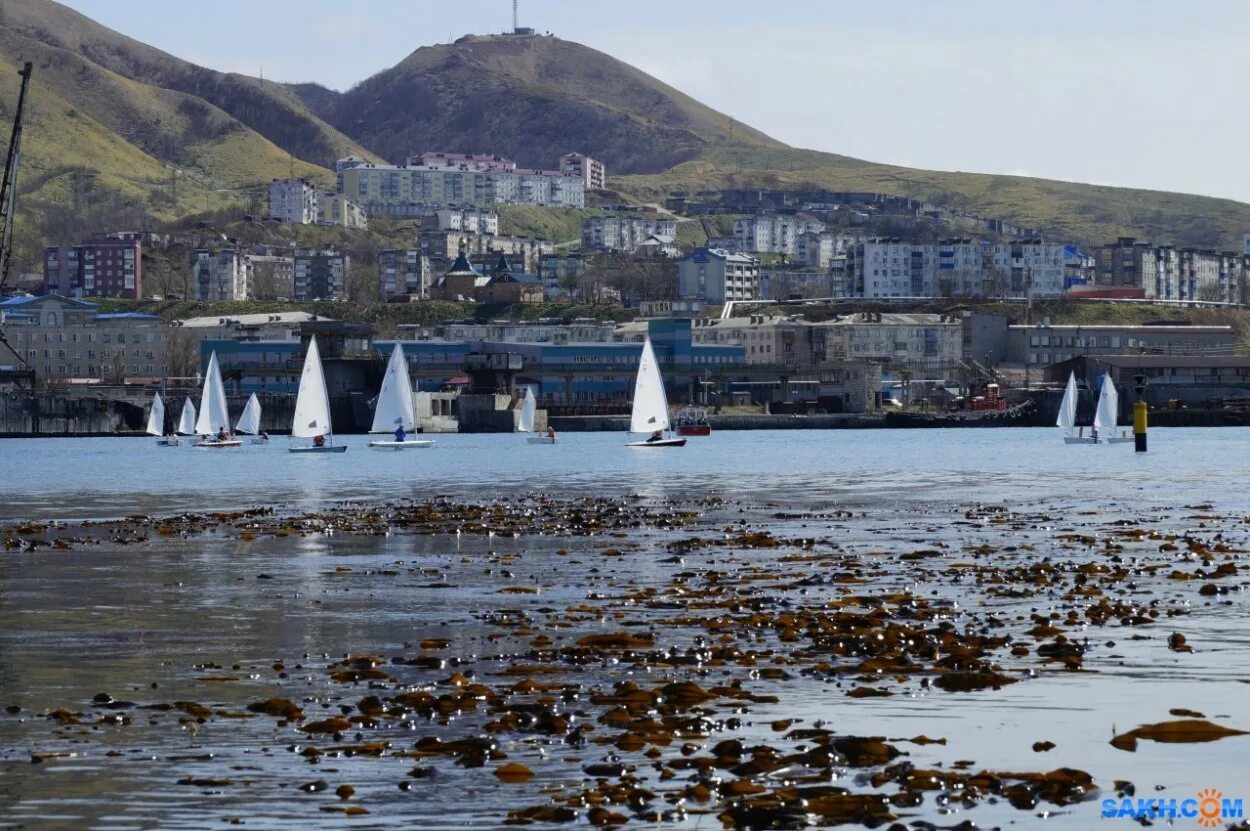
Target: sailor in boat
656	436
221	434
399	433
264	435
319	441
551	432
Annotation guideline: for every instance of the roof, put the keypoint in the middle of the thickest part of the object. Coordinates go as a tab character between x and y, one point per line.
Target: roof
1167	361
896	319
126	316
23	299
703	254
1164	327
462	267
250	319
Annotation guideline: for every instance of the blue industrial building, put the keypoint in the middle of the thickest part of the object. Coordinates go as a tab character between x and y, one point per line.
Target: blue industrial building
569	373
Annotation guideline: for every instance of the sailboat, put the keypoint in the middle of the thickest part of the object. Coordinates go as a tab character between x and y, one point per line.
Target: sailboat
249	421
529	410
156	423
1067	415
186	422
394	409
650	413
312	408
213	422
1107	413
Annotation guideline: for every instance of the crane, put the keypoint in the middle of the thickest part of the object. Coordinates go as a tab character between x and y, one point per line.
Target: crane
8	196
8	187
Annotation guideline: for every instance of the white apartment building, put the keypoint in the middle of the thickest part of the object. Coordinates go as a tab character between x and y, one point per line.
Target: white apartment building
774	233
437	180
592	171
625	233
294	201
222	274
403	271
815	249
336	209
716	276
469	221
886	267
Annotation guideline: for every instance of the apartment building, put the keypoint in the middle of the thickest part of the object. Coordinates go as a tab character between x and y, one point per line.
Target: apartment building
625	233
403	272
221	274
65	339
109	267
774	233
1047	344
320	275
337	209
1164	272
891	267
815	249
468	221
591	171
446	245
779	340
438	180
716	276
294	200
273	277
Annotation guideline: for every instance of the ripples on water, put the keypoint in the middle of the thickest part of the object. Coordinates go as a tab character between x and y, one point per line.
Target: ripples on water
120	618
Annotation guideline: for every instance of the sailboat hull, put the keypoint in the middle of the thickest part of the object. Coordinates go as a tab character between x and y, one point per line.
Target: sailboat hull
659	443
215	444
170	442
407	444
1079	440
540	440
1120	440
338	448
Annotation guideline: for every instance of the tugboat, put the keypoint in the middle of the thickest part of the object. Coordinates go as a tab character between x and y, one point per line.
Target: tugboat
692	421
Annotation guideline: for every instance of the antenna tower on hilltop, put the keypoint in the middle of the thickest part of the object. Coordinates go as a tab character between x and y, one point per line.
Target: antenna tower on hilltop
515	24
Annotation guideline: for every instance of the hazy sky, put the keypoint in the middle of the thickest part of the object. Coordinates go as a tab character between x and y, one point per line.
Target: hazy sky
1140	93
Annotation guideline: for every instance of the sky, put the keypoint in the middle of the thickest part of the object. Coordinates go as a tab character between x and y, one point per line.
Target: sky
1134	93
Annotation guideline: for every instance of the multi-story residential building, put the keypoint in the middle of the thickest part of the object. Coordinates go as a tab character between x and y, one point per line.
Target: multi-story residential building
890	267
445	245
591	171
337	209
294	201
468	221
320	275
1163	272
774	233
815	249
273	277
625	233
221	274
403	272
64	339
109	267
903	340
716	276
437	180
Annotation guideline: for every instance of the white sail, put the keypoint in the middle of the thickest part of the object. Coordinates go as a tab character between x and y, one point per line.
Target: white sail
312	404
213	415
249	421
395	408
650	411
528	410
1067	407
186	423
156	418
1108	407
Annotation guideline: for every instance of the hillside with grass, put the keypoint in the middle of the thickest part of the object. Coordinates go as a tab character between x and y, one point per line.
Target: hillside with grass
122	135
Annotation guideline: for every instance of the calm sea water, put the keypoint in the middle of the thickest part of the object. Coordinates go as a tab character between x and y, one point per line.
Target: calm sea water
75	478
119	618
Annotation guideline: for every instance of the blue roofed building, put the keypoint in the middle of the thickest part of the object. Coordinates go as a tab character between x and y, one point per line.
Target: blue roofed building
66	340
